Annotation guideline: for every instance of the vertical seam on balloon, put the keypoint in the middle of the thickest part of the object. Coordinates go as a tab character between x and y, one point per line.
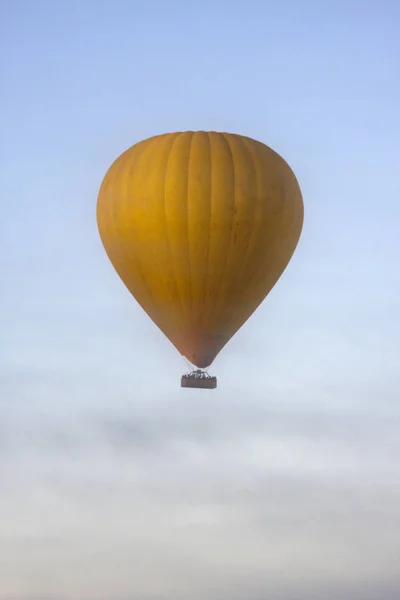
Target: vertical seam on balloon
187	227
123	159
277	243
137	259
217	295
177	291
283	166
188	323
249	153
299	209
233	322
210	205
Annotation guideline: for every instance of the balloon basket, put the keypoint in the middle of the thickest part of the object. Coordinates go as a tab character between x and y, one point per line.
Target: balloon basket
199	379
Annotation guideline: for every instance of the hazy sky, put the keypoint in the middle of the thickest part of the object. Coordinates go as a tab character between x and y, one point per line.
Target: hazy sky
284	483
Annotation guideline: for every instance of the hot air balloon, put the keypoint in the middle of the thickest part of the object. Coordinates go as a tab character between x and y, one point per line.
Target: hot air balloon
199	226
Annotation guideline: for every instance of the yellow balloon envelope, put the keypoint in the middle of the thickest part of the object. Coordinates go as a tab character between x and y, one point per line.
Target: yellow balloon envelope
199	226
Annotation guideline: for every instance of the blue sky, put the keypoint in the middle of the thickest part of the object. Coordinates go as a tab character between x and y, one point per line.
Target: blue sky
285	481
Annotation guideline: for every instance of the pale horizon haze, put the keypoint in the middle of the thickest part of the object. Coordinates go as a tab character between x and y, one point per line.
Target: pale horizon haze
115	483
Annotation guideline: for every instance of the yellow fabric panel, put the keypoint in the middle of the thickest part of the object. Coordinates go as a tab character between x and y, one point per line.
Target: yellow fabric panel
199	226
